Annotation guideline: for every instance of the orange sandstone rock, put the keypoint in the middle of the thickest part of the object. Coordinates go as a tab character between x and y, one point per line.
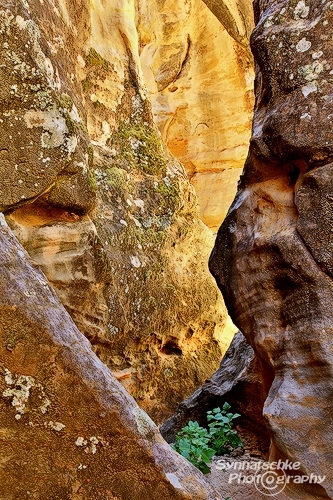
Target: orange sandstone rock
68	429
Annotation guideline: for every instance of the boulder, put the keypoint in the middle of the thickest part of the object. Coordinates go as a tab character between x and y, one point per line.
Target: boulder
94	195
68	429
272	257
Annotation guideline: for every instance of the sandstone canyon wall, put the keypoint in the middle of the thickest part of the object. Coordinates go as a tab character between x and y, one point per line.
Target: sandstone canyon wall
68	429
273	254
107	213
198	69
93	194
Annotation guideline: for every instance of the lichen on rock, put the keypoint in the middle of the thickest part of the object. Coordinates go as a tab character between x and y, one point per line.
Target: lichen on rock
94	195
90	436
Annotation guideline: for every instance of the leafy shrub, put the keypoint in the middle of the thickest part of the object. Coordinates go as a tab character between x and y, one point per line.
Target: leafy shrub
198	445
193	443
224	438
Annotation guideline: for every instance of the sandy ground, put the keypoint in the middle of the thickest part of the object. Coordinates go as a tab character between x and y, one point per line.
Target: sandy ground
236	484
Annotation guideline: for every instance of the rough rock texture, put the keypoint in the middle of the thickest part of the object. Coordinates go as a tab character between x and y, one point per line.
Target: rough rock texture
199	72
237	381
272	258
43	141
68	429
91	191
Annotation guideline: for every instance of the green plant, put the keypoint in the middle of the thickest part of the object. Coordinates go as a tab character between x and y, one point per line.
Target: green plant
66	102
92	180
198	445
117	178
140	145
87	84
93	58
224	438
90	152
170	196
193	443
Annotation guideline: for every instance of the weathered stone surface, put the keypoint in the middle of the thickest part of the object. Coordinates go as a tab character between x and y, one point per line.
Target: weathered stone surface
236	17
271	259
238	381
68	429
216	191
198	69
66	247
125	269
315	216
42	126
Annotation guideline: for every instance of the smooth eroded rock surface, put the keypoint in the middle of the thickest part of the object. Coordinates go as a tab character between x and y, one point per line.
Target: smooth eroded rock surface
198	69
272	257
68	429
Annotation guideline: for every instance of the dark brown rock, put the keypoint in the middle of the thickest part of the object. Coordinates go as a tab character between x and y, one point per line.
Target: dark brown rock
271	259
237	381
314	202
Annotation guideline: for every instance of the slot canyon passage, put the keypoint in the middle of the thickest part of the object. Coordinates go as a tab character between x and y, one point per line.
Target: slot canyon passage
124	128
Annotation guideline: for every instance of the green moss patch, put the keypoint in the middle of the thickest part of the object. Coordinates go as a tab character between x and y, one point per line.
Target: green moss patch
93	58
140	146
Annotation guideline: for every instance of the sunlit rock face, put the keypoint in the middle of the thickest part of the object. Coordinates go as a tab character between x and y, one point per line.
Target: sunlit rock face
92	192
198	68
273	254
